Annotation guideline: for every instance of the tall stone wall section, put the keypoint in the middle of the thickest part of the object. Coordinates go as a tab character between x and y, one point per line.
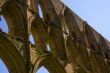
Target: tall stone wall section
75	47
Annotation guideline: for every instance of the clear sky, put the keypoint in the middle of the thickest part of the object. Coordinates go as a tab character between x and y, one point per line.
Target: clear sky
95	12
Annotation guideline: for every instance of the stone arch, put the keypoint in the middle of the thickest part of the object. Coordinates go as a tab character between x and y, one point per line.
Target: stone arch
8	52
14	17
50	63
38	30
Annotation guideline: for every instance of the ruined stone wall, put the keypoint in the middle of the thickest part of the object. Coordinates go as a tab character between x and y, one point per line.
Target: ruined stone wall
75	47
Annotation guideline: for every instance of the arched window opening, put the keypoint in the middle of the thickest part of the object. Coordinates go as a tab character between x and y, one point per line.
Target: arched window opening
3	25
42	70
3	68
40	11
31	39
48	47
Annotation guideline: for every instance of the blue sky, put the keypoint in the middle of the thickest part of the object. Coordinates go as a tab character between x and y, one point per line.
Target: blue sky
3	68
95	12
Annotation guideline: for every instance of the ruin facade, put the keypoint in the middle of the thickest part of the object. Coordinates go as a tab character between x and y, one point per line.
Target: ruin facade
75	47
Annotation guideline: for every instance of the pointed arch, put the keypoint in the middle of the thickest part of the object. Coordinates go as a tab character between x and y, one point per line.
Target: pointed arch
15	17
39	33
8	52
50	63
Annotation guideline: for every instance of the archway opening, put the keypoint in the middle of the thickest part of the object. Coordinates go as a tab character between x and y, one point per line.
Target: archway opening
31	39
40	11
3	28
42	70
3	25
3	68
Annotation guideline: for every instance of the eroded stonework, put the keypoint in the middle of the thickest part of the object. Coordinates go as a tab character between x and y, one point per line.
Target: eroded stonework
75	47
